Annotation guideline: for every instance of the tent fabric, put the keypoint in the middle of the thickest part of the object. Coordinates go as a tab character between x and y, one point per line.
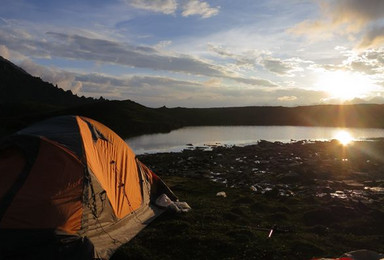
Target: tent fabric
109	158
63	130
73	177
48	200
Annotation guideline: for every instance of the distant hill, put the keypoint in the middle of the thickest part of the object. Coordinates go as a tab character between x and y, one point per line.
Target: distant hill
126	117
363	115
25	99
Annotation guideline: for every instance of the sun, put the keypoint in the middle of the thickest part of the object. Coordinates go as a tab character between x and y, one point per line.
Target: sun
344	85
343	137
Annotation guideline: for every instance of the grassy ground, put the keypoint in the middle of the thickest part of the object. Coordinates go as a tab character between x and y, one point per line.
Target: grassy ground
233	227
237	226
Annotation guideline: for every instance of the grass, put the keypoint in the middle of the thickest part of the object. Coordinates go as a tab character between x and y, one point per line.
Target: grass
237	227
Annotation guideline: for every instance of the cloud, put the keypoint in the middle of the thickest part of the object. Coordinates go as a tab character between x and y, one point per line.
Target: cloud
220	50
196	7
3	22
245	59
101	50
262	97
81	47
156	91
21	41
142	88
139	88
346	17
316	30
249	58
137	82
62	79
160	6
355	13
370	62
145	89
363	66
255	82
4	52
213	82
281	67
188	7
377	55
162	44
287	98
374	100
373	38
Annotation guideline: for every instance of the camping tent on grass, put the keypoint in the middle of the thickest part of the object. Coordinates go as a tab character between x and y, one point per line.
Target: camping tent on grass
71	187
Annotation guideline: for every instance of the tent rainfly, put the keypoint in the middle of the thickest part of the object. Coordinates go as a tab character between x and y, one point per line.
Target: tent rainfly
71	188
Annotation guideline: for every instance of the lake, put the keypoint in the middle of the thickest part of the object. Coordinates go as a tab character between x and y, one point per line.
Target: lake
183	138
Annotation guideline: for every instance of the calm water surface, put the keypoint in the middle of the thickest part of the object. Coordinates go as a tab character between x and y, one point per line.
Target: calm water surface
180	139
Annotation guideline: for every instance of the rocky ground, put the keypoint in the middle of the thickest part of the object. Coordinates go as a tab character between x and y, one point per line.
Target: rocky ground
322	169
321	199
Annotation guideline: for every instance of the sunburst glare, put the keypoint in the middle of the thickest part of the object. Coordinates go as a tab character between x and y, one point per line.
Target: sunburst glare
344	137
345	85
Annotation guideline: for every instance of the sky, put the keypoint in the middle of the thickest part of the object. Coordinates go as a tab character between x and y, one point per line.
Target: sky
198	53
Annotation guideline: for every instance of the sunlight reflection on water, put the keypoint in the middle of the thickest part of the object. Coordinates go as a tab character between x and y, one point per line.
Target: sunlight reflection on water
179	139
344	137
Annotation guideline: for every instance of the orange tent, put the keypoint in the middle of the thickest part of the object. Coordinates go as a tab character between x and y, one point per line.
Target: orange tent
70	186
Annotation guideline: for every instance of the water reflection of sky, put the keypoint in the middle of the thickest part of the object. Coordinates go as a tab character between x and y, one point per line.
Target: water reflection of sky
241	135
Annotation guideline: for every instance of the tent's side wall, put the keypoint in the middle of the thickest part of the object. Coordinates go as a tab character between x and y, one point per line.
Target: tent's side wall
113	163
108	238
97	210
12	162
50	197
114	174
41	186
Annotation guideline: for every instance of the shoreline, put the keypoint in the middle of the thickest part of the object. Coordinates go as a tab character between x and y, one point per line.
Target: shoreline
347	172
210	136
